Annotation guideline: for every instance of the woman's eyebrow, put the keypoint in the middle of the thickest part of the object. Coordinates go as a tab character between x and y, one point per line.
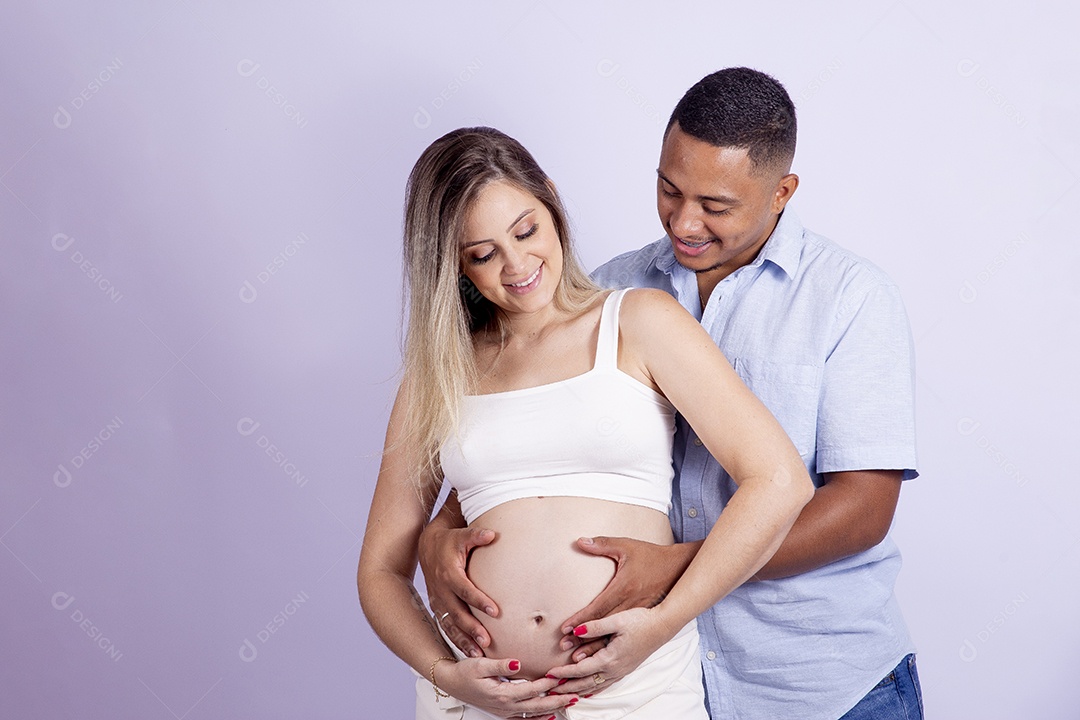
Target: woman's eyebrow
518	219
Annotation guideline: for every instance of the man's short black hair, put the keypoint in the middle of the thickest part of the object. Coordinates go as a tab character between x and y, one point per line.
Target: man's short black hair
742	108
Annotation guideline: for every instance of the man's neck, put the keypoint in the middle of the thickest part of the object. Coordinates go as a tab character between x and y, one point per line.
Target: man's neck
707	282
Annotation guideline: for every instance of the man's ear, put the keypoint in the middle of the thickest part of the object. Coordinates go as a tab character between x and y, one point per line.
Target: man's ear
785	189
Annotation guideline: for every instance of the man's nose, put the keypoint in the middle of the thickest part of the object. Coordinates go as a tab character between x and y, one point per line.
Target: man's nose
686	221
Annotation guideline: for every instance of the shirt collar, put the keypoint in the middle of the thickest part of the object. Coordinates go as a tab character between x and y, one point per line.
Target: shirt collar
781	249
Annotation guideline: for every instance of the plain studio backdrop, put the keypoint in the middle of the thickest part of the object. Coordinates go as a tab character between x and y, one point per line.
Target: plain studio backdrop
201	301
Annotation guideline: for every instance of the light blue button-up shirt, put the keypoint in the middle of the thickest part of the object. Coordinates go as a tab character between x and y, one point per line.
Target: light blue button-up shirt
820	335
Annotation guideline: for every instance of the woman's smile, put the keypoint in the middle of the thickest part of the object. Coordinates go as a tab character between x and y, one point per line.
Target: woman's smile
527	285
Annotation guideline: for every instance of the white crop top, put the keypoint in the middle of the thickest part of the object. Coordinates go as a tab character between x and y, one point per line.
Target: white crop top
601	435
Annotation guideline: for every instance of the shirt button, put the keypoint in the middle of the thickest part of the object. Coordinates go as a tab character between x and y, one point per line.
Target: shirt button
697	441
692	512
710	655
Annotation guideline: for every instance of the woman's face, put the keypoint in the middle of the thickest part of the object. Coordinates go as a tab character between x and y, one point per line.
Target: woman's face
510	249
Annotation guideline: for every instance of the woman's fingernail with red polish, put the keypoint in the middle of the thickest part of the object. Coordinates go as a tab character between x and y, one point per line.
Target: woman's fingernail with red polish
563	681
580	630
587	696
514	666
551	677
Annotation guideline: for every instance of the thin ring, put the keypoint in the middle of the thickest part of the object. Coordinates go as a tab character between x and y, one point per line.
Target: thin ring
598	679
443	616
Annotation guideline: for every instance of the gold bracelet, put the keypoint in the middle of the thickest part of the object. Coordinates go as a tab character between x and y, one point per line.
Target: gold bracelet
438	693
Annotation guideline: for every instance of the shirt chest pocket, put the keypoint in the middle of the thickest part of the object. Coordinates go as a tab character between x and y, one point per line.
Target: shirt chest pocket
791	393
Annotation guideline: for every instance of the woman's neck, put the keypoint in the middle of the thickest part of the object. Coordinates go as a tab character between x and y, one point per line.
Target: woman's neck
527	328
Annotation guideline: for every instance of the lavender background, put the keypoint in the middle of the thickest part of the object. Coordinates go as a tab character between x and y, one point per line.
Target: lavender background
200	286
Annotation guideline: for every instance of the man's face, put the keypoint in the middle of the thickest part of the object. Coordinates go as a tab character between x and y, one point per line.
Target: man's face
716	208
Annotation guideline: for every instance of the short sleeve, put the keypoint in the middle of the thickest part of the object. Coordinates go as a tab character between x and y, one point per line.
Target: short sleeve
866	418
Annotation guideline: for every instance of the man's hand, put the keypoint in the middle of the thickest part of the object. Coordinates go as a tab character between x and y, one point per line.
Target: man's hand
644	574
444	555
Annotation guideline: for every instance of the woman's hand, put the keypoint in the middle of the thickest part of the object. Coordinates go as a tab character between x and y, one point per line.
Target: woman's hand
475	681
644	574
634	635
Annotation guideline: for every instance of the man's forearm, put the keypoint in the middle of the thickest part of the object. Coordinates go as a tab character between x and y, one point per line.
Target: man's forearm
850	513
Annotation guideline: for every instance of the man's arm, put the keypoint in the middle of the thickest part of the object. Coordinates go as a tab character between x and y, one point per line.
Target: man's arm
850	513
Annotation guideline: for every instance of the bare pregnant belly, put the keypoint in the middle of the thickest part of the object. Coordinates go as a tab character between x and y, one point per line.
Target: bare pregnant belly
538	576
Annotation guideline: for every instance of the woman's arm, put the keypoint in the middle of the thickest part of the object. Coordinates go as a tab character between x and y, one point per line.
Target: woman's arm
399	510
662	345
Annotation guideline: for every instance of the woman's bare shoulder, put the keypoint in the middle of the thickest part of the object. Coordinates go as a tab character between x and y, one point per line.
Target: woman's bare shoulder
649	310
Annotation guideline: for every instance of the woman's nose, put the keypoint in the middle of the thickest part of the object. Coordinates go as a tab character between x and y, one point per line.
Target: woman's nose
515	261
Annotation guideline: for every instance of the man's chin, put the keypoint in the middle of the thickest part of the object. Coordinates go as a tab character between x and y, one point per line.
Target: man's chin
703	263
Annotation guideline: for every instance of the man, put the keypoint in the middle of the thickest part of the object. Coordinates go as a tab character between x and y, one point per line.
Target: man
821	337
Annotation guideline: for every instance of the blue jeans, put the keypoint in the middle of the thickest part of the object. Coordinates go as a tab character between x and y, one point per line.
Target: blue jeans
898	696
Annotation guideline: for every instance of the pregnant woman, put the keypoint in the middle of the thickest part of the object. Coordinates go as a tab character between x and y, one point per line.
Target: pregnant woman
549	406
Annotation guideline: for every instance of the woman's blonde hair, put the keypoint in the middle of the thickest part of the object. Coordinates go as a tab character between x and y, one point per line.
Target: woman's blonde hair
445	309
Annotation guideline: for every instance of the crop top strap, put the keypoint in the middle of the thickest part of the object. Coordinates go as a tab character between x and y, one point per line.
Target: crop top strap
607	342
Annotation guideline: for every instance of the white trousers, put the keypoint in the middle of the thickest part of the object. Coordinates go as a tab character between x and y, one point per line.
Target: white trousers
667	686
